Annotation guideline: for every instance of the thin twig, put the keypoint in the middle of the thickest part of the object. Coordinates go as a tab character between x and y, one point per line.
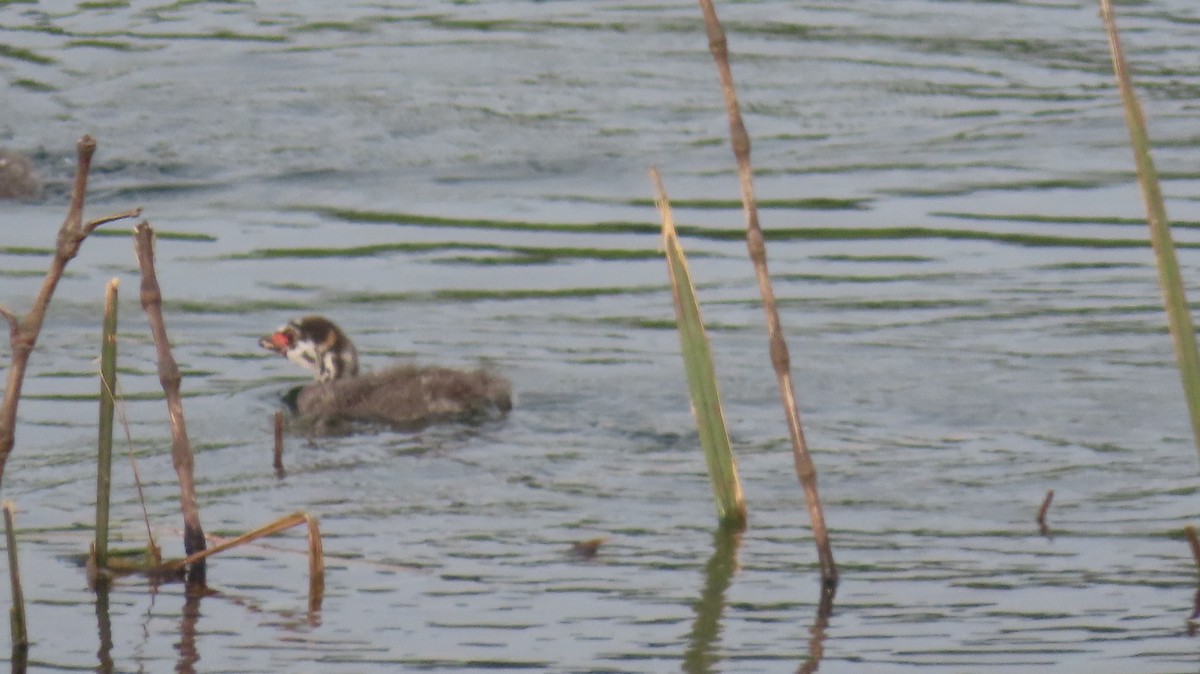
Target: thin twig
279	472
119	396
805	469
169	377
1041	518
9	316
93	224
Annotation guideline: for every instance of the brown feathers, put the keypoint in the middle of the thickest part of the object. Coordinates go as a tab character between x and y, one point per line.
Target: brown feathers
407	395
402	395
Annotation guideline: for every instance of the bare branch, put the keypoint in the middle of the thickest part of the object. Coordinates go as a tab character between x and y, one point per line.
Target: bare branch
84	149
93	224
13	323
24	331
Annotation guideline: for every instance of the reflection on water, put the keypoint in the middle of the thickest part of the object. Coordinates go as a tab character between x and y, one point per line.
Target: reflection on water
957	249
701	655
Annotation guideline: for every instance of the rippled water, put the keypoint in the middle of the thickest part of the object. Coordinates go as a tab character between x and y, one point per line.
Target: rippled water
953	223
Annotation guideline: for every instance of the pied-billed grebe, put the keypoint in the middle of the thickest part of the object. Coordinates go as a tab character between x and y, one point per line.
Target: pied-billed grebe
403	395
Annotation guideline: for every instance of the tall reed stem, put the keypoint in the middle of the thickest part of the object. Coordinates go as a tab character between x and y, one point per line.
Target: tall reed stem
1179	317
169	377
781	361
108	387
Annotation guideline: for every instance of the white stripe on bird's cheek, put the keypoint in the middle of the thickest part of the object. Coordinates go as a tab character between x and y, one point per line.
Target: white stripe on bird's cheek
329	368
304	354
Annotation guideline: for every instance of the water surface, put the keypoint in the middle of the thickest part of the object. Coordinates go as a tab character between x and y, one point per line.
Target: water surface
953	230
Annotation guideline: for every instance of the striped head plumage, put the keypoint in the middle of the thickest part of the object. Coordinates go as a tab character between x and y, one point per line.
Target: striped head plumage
317	345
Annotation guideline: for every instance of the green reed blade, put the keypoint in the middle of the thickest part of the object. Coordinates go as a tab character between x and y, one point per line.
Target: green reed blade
108	384
1179	317
702	379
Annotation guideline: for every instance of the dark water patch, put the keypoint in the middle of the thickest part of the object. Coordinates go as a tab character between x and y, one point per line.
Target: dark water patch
642	323
899	233
727	234
158	234
862	168
987	92
95	397
515	254
221	35
874	258
1180	175
473	295
812	204
864	278
417	220
26	251
1058	219
1072	55
411	297
22	54
107	4
233	307
33	85
148	189
111	45
1091	183
522	26
1070	266
365	25
888	305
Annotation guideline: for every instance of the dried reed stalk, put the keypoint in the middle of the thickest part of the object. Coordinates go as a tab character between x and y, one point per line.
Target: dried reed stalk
780	360
24	331
20	638
316	567
281	524
108	386
316	552
1179	317
169	377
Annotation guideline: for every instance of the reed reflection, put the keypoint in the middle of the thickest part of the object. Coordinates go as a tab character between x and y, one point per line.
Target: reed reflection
701	655
816	641
104	628
190	617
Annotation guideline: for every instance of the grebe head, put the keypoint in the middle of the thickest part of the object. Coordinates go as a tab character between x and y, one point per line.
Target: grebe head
316	344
